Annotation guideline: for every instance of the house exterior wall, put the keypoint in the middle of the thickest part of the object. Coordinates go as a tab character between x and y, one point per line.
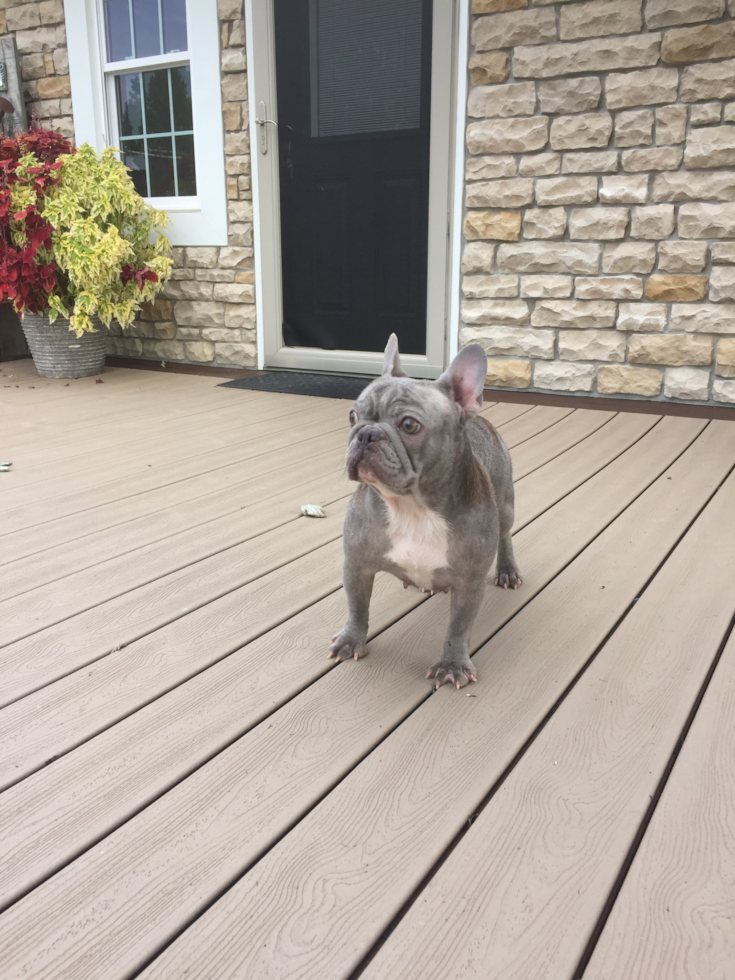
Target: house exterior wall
599	252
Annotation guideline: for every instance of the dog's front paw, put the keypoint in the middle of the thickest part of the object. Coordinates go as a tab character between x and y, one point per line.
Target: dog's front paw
457	670
346	644
508	577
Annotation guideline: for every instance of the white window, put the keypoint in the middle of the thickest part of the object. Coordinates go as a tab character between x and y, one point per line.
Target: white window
145	79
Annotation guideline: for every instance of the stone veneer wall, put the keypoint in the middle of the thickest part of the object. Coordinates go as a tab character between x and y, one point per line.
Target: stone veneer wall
40	36
206	314
600	193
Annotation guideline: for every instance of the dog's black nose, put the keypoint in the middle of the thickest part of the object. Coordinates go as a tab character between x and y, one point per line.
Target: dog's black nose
370	433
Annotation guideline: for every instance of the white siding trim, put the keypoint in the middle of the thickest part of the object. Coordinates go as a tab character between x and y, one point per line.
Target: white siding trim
206	224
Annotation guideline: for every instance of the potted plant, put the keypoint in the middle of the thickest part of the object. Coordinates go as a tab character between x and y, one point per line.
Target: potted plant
78	248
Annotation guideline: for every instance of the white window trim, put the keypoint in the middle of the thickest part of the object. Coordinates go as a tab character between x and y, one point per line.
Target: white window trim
200	220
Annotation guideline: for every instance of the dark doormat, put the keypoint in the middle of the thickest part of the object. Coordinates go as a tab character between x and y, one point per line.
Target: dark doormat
303	383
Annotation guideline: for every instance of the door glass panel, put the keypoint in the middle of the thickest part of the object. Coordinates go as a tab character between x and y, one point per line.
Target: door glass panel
365	66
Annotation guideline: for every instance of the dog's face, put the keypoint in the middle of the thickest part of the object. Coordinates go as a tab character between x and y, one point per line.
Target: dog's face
405	432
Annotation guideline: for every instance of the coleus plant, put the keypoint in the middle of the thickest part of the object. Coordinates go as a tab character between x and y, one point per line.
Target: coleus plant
76	239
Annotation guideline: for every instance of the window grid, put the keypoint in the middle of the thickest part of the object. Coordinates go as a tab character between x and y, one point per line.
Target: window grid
132	32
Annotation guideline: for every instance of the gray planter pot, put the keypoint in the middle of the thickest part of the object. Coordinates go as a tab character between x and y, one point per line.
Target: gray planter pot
59	353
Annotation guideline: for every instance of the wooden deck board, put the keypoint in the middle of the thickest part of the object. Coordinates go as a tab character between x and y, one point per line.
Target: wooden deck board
188	778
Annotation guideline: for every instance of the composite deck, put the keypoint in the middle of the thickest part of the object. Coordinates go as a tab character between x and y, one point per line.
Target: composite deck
191	789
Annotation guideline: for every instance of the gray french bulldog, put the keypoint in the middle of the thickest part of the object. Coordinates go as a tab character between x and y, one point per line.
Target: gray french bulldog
435	501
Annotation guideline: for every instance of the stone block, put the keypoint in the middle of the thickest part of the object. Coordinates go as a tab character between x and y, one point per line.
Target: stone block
199	314
478	257
237	164
516	99
240	210
574	314
489	168
641	87
575	57
540	287
624	190
188	289
729	113
673	349
234	292
641	316
591	345
240	315
33	66
489	287
221	335
560	376
634	128
671	124
188	333
544	223
705	114
52	12
494	311
237	33
504	226
713	147
682	256
682	289
566	190
235	257
161	309
624	380
200	351
513	135
237	355
241	234
229	9
232	115
598	18
500	339
570	95
670	13
569	257
722	283
237	144
704	43
500	193
54	87
61	61
506	30
725	362
235	87
703	318
581	131
202	257
684	186
496	6
687	382
489	68
508	373
723	391
539	164
23	16
215	275
656	221
599	224
177	275
655	158
233	59
164	350
708	81
707	221
608	287
124	346
164	330
723	252
590	162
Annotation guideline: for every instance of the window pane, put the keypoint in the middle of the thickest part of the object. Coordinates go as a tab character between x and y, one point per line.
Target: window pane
147	28
174	25
128	102
161	167
133	155
181	92
117	28
157	101
185	164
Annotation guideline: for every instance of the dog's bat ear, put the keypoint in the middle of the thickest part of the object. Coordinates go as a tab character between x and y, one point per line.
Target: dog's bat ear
464	379
391	360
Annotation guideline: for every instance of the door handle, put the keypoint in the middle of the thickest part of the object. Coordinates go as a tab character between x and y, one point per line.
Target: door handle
263	122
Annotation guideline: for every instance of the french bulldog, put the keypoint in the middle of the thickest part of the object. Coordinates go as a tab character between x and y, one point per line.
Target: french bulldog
435	501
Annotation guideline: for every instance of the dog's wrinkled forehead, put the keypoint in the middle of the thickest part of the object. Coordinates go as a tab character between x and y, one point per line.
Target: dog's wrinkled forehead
388	398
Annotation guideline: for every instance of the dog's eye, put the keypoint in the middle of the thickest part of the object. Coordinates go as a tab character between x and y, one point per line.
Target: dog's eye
411	426
353	417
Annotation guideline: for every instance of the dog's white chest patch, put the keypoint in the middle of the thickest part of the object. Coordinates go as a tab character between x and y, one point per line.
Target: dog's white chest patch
418	540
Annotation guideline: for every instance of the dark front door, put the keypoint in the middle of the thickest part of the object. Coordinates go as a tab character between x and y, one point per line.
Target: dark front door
353	82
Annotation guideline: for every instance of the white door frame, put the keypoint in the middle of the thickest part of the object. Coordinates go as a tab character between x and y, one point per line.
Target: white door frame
448	71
